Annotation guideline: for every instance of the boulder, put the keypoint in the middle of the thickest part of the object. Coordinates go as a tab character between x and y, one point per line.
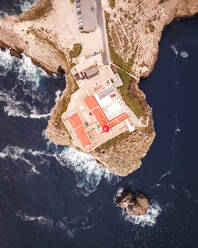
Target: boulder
133	203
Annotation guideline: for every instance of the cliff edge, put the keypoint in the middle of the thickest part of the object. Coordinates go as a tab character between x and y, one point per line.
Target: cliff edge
46	34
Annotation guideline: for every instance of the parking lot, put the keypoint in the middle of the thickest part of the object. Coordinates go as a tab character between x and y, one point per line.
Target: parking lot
86	14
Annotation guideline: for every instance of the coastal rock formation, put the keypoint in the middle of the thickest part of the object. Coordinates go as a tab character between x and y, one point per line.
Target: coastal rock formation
132	203
134	29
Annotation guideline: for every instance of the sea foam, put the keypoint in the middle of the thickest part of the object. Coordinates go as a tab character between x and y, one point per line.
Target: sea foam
145	220
39	219
28	84
88	173
18	153
174	49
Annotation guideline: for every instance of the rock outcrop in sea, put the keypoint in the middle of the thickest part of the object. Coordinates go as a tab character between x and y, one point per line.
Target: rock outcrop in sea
132	203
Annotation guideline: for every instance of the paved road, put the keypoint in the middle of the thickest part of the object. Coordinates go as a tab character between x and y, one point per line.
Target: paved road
102	26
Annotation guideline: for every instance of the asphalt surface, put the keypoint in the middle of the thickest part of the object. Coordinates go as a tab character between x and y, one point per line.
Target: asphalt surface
88	15
102	26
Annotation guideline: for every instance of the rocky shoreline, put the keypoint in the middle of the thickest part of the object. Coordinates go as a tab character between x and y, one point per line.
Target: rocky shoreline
39	39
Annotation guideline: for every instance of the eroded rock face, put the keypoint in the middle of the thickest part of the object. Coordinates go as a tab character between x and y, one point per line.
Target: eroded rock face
135	28
132	203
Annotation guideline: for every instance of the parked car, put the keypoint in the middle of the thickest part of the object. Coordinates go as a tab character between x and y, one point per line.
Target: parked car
78	12
81	27
77	5
77	1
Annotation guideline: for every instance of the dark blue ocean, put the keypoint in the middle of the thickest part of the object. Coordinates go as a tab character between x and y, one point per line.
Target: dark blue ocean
55	197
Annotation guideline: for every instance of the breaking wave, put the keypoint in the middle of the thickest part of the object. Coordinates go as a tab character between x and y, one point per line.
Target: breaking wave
17	108
18	153
174	49
3	14
177	130
6	62
26	5
67	225
145	220
27	71
88	173
38	219
165	175
28	84
57	94
24	67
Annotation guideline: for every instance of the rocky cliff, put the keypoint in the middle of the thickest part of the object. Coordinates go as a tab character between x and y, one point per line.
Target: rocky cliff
132	203
134	29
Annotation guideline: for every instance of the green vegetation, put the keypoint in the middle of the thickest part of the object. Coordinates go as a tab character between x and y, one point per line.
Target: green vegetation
113	141
132	102
72	65
37	12
152	28
63	102
116	58
72	1
76	50
112	3
85	32
162	1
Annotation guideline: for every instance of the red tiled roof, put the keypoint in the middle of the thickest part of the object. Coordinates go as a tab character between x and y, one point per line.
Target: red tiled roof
123	117
118	119
75	120
80	131
113	123
100	116
91	102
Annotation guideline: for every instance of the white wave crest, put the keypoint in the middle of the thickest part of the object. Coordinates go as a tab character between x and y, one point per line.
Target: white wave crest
29	78
40	219
57	94
18	153
3	14
184	54
174	49
6	62
13	107
24	67
165	175
27	71
187	192
16	108
88	171
145	220
26	5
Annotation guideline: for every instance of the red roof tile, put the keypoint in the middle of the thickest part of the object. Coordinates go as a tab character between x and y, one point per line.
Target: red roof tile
91	102
75	120
118	119
100	116
80	131
122	117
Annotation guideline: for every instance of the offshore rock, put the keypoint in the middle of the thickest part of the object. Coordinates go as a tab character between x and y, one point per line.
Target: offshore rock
132	203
